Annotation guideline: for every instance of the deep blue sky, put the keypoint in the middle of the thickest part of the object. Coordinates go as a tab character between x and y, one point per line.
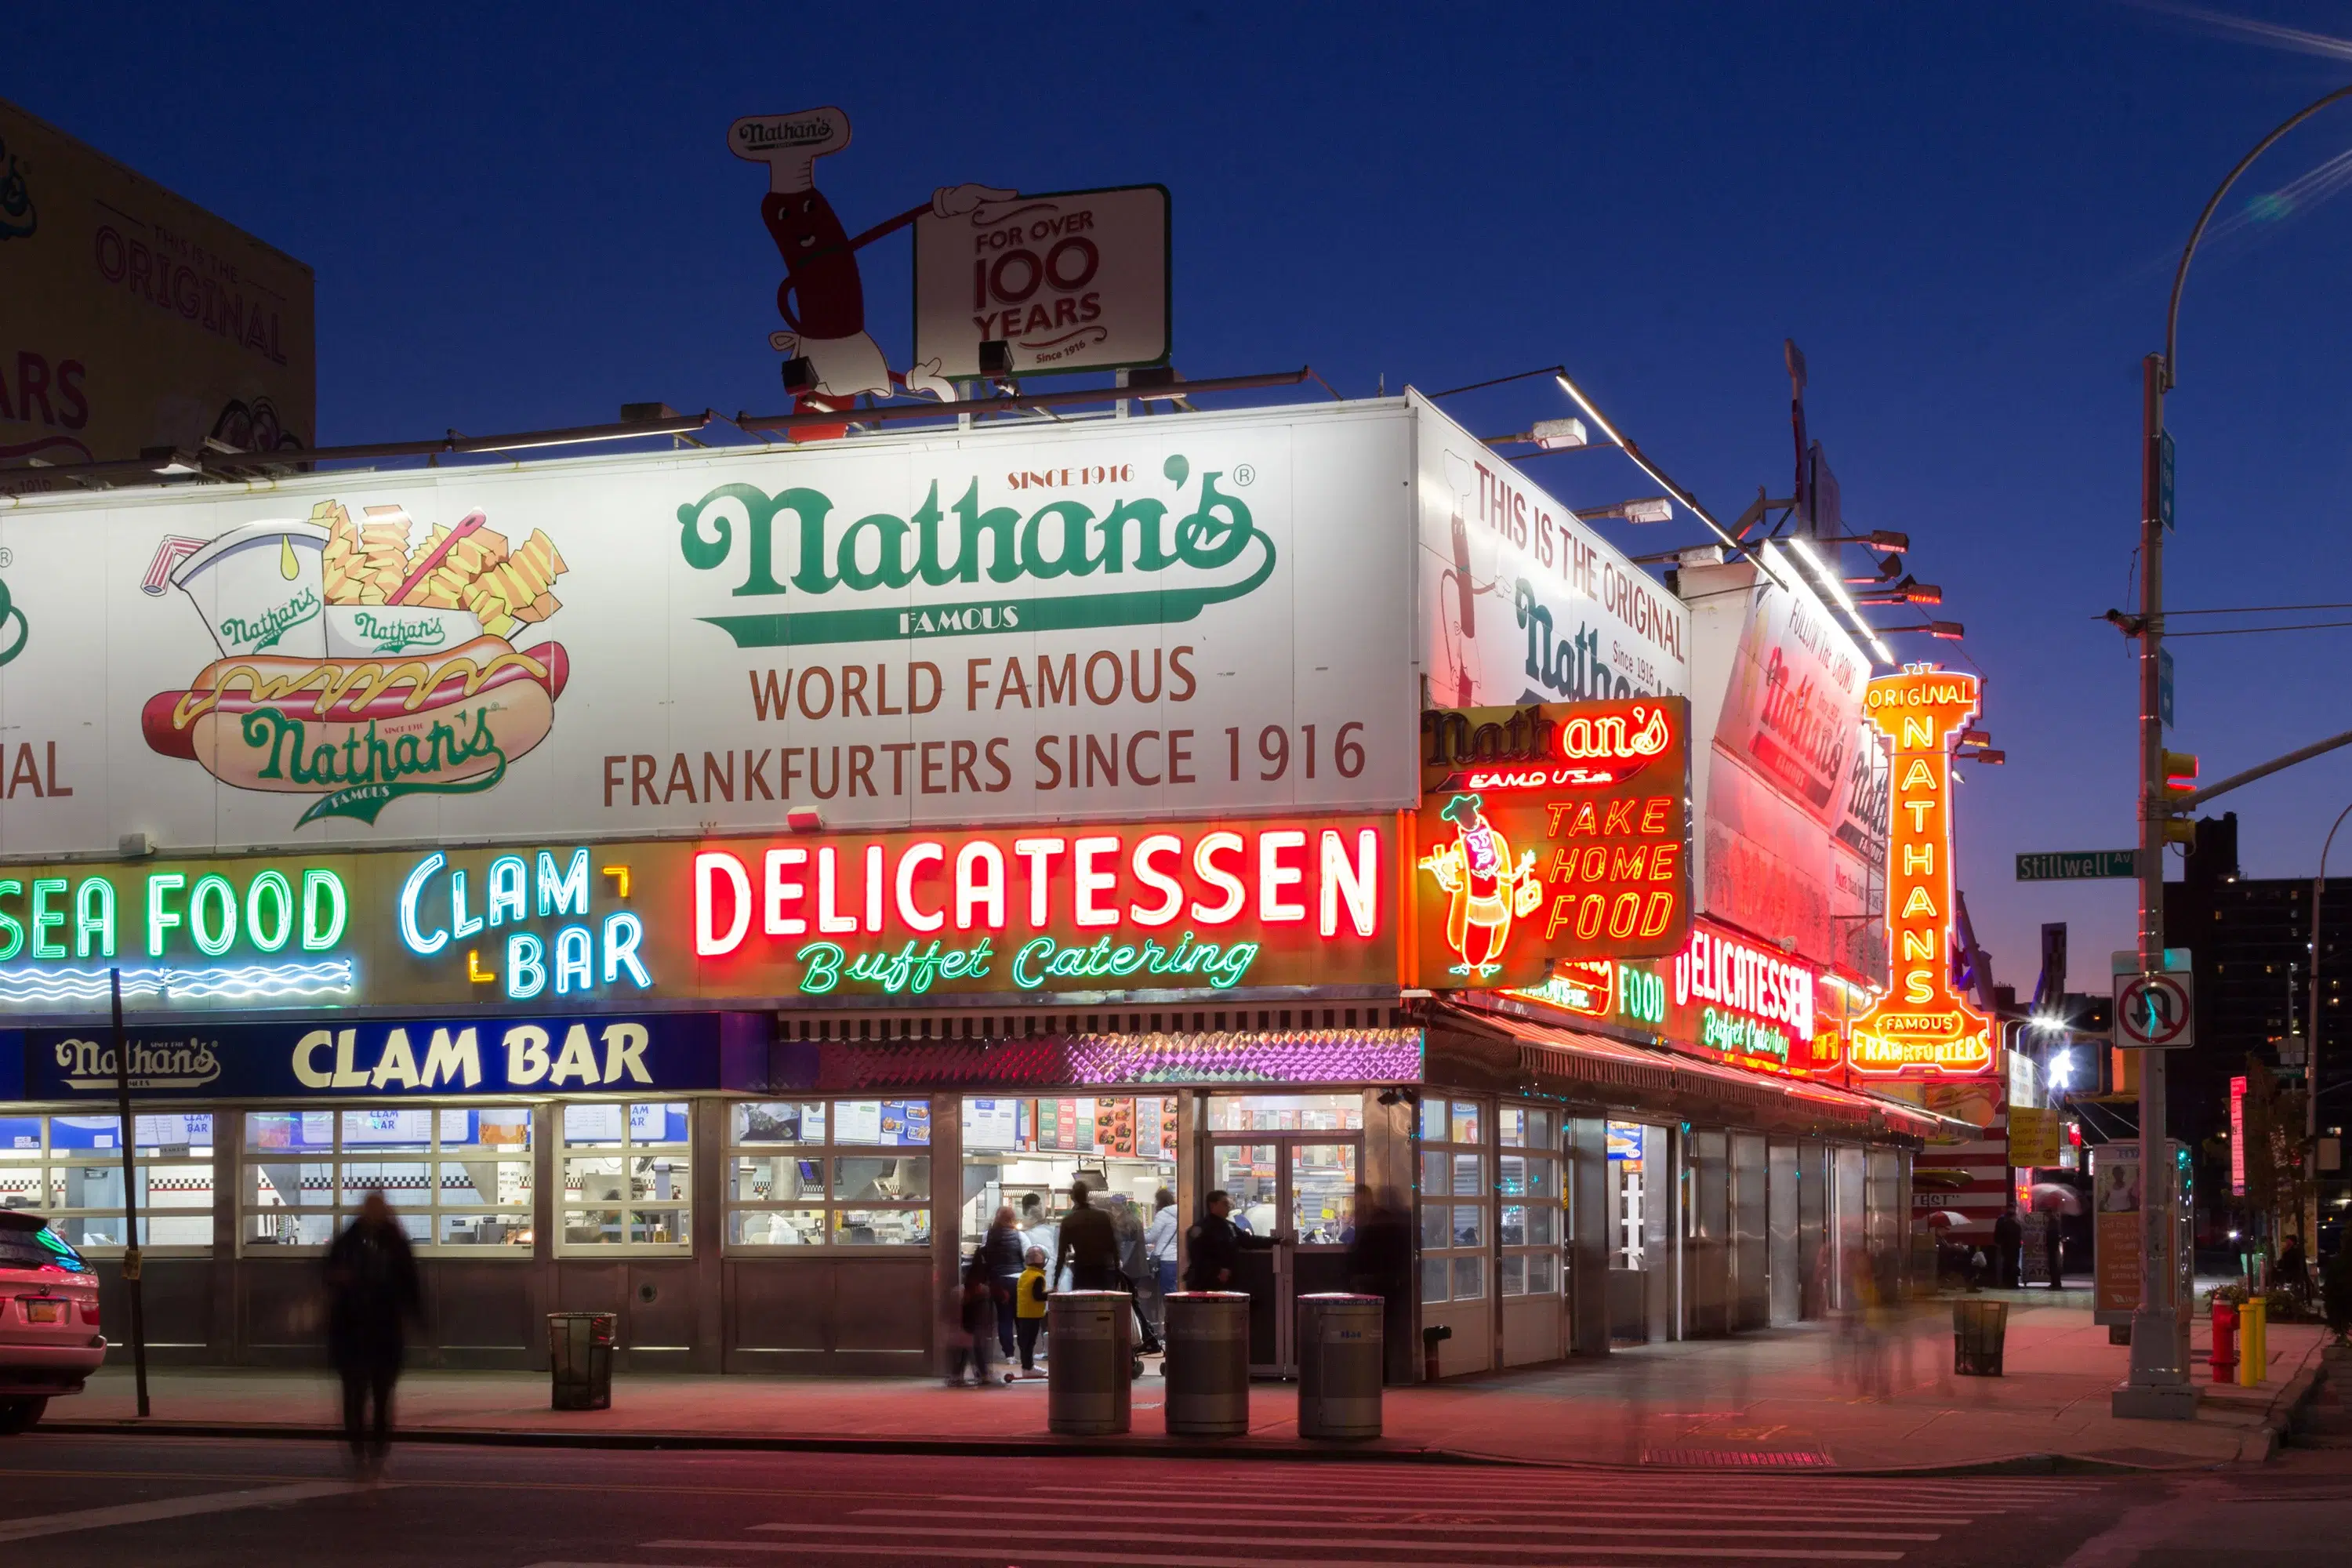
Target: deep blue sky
1964	215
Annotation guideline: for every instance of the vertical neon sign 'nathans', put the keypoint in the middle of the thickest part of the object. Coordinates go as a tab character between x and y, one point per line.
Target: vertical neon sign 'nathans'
1922	1027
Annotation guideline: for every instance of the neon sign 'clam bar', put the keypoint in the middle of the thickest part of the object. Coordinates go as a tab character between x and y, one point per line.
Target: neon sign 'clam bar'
514	891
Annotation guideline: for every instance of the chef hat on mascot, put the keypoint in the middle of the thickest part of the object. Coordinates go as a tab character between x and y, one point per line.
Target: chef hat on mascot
790	144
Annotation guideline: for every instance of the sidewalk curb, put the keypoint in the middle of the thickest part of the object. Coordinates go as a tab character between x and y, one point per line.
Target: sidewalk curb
1290	1450
2278	1421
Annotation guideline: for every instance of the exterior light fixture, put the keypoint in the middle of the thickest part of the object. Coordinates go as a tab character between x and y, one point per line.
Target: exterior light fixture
1651	508
1558	434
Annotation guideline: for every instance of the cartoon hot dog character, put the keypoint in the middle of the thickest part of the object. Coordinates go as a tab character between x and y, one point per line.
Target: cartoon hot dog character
360	666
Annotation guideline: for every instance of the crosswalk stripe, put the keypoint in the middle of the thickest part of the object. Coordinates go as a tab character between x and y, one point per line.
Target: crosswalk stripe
1118	1527
1358	1543
1449	1502
168	1508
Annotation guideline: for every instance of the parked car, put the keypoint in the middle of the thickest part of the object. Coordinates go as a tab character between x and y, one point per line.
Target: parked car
50	1340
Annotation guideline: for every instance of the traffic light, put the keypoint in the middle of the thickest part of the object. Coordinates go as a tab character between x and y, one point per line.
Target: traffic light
2180	780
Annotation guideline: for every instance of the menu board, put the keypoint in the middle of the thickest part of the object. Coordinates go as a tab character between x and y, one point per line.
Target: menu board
369	1128
991	1124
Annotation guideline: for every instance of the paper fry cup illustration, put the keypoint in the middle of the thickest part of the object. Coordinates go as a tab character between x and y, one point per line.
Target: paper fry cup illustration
260	588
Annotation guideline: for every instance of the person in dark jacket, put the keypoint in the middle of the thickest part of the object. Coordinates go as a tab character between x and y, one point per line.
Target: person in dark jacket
1088	1243
372	1296
1001	1251
1380	1262
1214	1247
2008	1243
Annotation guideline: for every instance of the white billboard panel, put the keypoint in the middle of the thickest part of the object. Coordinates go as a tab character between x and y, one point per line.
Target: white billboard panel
1172	616
1520	602
1793	787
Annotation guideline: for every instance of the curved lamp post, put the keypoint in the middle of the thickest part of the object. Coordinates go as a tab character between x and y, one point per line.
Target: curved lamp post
2160	1383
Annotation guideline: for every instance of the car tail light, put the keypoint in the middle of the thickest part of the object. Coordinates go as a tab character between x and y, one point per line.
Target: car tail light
89	1311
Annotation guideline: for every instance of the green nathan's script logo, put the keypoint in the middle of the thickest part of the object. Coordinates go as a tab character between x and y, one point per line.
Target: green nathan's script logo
978	548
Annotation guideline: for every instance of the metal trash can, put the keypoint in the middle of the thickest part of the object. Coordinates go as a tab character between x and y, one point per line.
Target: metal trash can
1089	1373
1340	1365
580	1360
1207	1370
1980	1330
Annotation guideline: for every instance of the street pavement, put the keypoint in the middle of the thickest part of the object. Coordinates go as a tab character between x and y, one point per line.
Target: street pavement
197	1502
1814	1396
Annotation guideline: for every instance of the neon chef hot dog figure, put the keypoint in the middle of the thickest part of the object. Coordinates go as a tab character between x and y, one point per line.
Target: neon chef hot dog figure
822	298
1488	889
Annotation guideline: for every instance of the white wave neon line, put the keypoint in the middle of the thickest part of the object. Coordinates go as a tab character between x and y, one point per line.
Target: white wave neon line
327	978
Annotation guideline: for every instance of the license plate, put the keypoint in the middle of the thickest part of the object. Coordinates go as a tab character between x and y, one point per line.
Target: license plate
44	1311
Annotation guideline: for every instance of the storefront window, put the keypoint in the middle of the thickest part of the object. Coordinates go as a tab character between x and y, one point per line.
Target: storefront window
1457	1204
1528	1216
1026	1153
627	1177
70	1169
818	1173
460	1178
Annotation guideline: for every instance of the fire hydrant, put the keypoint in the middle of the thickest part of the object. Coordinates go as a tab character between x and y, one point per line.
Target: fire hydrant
2225	1342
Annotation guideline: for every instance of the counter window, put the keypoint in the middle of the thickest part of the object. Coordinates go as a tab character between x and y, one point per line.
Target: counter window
628	1178
459	1177
1528	1194
70	1169
1026	1153
1458	1201
818	1173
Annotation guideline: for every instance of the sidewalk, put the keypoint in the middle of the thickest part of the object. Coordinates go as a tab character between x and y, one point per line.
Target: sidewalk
1786	1398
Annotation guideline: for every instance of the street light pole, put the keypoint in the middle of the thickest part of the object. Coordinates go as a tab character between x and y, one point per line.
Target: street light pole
2159	1385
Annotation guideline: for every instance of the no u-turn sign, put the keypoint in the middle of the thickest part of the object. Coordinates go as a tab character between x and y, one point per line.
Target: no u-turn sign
2155	1012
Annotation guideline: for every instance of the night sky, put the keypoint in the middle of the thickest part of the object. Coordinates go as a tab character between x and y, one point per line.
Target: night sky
1966	216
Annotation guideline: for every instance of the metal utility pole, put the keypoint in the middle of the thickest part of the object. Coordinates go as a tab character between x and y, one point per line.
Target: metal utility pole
2159	1384
128	1133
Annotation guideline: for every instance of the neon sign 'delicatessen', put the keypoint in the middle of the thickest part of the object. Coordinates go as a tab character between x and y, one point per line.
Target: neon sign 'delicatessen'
1923	1026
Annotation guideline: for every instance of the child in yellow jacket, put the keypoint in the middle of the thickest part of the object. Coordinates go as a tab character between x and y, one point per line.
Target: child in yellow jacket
1029	1308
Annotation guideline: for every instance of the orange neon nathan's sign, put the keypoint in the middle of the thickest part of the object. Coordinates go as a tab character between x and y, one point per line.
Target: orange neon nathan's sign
1922	1027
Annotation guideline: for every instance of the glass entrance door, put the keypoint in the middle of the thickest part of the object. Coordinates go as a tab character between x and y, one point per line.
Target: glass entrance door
1299	1191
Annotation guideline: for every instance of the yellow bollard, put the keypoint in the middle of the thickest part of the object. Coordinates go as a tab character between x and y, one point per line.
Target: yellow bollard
2253	1355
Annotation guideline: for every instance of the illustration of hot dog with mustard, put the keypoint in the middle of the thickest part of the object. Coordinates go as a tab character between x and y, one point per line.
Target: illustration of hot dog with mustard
359	662
1487	888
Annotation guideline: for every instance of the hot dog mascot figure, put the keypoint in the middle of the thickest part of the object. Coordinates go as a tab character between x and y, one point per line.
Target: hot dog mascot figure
830	357
1487	888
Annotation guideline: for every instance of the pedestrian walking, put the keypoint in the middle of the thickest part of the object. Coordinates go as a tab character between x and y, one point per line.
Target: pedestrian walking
974	1319
373	1295
2008	1240
1160	1237
1379	1263
2292	1273
1002	1250
2054	1251
1088	1244
1029	1296
1135	1270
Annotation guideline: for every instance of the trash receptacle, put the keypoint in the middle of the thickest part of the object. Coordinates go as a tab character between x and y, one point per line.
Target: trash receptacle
580	1360
1207	1370
1979	1329
1087	1377
1340	1366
